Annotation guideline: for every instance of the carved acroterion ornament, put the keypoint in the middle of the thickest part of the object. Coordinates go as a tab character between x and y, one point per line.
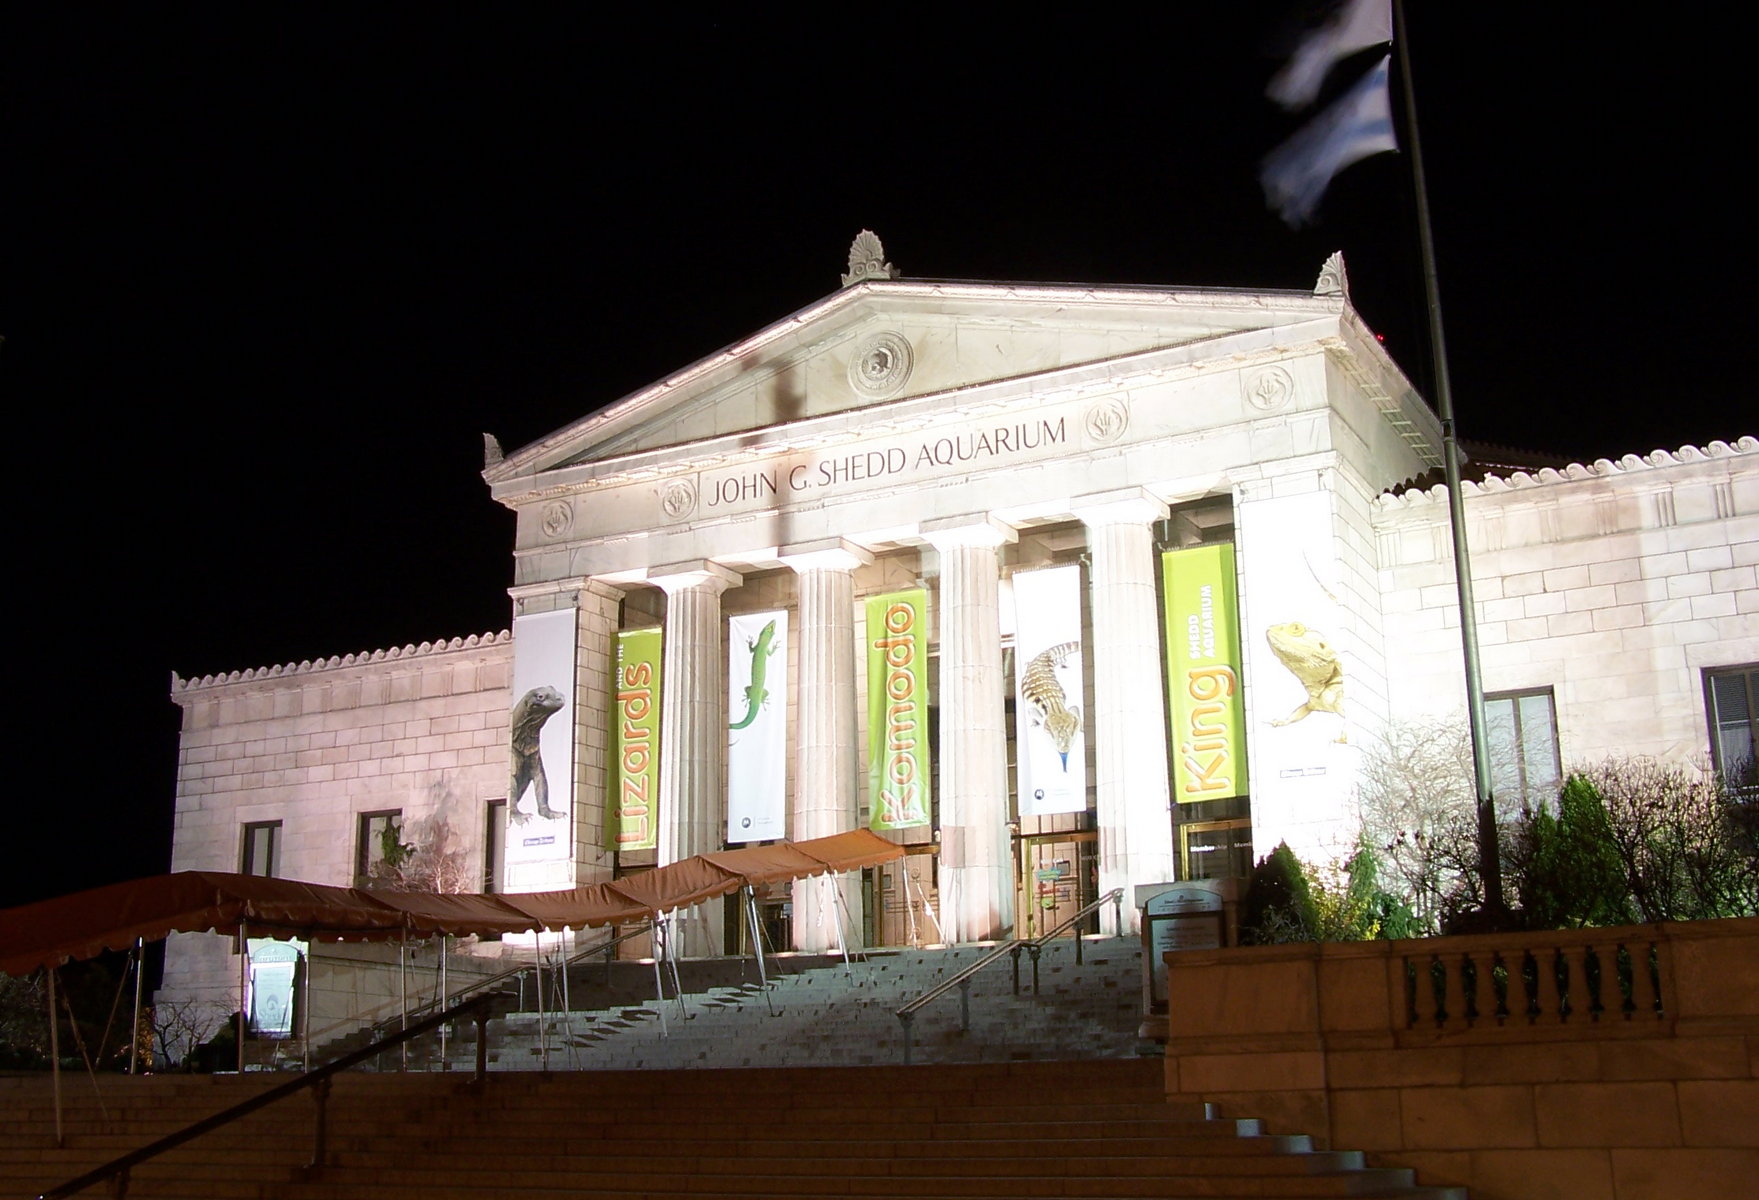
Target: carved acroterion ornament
867	260
1332	279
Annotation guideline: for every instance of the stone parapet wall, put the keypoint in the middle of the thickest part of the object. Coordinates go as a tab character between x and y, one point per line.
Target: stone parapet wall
1399	1049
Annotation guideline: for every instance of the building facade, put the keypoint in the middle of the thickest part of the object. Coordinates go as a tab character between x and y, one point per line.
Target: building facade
1065	588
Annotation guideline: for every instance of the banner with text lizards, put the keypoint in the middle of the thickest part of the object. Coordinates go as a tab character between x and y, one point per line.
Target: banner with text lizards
1204	704
632	822
897	710
757	727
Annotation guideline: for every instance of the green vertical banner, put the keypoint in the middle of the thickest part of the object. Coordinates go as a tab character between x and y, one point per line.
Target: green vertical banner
1204	704
897	710
635	743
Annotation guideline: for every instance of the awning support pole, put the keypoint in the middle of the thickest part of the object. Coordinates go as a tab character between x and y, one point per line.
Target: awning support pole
55	1060
444	998
305	1009
672	966
134	1034
757	945
403	995
243	988
543	1041
658	939
839	911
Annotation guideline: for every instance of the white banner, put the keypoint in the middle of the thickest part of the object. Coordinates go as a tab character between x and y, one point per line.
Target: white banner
540	789
757	726
1049	745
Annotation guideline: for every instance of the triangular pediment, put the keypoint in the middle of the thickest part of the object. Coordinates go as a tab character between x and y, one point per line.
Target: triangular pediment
884	342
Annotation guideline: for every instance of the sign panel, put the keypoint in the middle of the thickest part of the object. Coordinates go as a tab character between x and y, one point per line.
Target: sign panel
898	782
540	799
1204	704
635	743
1049	745
757	726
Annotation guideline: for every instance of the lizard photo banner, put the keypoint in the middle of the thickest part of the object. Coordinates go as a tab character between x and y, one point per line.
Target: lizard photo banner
635	743
1204	704
540	789
1049	746
757	726
898	767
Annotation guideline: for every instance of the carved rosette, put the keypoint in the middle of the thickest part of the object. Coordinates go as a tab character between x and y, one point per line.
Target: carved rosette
678	499
881	365
1107	420
557	518
1269	389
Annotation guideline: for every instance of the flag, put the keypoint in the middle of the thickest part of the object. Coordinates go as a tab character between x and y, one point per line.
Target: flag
1357	25
1360	123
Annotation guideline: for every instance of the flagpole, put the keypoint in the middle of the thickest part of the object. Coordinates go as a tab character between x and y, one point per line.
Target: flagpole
1489	860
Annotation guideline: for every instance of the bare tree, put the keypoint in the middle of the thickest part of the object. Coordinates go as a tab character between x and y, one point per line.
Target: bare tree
1417	807
179	1026
433	860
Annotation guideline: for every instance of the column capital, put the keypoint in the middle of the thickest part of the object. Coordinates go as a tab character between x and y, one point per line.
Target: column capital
825	554
599	586
677	577
977	529
1126	506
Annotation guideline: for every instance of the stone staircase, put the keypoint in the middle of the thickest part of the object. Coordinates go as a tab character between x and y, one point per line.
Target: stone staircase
837	1016
1047	1130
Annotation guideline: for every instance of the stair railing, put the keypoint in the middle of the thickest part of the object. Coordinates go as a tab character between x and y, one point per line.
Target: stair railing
962	979
318	1080
1036	946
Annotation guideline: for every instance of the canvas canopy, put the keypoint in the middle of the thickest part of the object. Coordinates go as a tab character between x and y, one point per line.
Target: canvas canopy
51	932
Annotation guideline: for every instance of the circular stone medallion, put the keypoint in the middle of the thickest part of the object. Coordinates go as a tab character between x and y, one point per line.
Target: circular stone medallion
881	365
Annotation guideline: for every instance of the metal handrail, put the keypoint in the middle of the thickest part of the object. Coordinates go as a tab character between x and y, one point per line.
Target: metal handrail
318	1080
1115	897
962	979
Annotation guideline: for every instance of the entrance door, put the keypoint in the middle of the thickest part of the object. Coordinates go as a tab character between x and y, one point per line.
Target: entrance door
1060	877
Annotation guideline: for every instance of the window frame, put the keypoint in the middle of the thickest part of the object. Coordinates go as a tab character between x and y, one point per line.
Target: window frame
1713	727
363	842
246	839
1514	696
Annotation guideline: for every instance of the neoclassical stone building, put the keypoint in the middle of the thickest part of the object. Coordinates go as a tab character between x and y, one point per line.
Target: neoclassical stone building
1066	588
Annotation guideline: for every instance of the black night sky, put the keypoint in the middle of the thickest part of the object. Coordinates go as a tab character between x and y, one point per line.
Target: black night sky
271	270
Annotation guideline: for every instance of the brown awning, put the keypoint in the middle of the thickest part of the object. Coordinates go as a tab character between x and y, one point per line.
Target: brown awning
84	924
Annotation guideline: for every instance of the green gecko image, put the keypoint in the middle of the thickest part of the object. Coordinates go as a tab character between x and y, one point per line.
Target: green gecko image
755	695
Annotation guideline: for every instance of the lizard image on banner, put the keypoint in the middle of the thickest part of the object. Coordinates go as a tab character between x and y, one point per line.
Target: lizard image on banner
755	693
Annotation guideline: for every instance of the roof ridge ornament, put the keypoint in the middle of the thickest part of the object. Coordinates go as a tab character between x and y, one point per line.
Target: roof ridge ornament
867	260
1333	281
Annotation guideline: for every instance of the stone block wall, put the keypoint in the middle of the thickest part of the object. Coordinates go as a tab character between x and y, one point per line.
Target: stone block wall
1653	1096
421	730
1615	584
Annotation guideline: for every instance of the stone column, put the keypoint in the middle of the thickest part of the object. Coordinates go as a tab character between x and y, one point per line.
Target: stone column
693	732
1129	704
977	870
826	797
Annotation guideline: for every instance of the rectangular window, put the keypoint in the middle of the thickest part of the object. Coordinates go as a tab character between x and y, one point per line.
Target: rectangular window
1216	849
1730	695
495	848
1521	728
261	854
380	839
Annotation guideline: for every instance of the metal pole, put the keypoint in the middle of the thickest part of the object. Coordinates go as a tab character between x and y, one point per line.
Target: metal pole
134	1037
659	949
837	915
1489	860
403	995
305	1009
243	988
445	997
55	1059
965	1004
904	1019
543	1042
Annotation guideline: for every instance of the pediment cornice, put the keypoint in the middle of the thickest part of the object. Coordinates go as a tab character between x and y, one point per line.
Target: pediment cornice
811	328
